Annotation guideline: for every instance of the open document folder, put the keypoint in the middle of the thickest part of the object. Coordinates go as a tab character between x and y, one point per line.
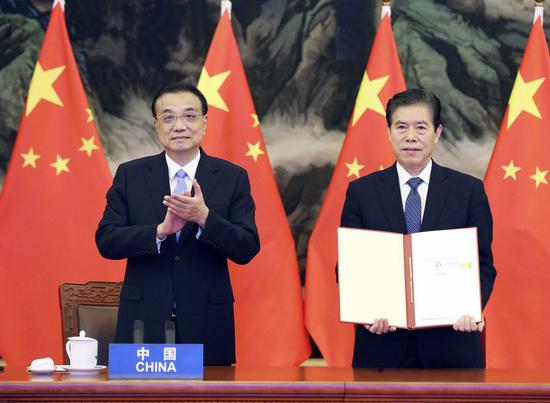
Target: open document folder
416	280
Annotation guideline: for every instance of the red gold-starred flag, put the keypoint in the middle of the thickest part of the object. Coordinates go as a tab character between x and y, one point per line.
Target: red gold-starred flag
51	202
519	194
366	149
270	329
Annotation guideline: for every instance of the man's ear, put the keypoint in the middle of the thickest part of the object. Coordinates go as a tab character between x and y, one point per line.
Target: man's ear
438	132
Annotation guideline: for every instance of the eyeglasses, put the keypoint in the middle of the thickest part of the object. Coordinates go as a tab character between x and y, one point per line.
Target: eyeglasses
169	118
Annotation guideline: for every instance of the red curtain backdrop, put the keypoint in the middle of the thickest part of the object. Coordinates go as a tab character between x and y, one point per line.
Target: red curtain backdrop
366	149
269	320
51	202
517	185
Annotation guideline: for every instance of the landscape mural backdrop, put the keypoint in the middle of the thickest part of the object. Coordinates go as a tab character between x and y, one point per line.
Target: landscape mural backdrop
304	60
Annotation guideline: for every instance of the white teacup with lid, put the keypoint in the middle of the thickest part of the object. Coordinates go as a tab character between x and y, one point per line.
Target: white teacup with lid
82	351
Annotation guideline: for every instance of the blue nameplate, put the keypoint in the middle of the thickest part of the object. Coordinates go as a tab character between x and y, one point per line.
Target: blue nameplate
155	361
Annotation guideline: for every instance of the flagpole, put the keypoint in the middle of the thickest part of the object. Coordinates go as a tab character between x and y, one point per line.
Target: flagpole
226	6
539	11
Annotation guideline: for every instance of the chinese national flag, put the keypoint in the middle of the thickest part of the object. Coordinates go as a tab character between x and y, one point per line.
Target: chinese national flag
51	202
366	149
269	320
517	185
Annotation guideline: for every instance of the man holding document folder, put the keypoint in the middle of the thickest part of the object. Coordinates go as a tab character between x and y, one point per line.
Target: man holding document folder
416	195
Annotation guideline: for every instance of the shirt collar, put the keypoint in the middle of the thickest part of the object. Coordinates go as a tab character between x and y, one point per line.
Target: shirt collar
190	168
404	176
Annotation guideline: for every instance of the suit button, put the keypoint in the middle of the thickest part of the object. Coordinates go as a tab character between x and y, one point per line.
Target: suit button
177	258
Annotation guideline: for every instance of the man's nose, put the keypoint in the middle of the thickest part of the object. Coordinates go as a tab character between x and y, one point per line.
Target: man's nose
179	124
410	134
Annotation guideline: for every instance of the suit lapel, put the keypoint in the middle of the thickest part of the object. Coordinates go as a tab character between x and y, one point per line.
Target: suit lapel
438	192
390	197
208	178
156	179
158	183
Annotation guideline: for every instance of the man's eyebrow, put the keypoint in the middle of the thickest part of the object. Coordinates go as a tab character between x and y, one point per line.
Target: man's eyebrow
415	122
190	108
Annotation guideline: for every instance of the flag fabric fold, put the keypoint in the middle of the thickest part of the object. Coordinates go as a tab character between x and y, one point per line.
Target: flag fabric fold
269	322
51	202
366	149
517	186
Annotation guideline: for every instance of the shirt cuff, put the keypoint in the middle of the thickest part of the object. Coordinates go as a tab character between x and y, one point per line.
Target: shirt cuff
159	242
199	232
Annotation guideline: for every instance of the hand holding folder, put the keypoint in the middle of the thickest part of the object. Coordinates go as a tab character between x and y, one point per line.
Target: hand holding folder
466	323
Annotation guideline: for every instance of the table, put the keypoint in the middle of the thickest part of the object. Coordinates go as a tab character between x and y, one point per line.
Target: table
304	384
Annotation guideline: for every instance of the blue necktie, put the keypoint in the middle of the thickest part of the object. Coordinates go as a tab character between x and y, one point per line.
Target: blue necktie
180	187
413	207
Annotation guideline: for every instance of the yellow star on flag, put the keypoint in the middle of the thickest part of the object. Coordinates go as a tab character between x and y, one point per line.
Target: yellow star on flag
30	158
90	115
60	165
256	121
539	177
381	167
354	168
510	170
88	146
522	100
210	87
254	151
369	98
42	87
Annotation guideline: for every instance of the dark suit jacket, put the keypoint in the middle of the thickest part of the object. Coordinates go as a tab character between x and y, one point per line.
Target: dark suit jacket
454	200
192	273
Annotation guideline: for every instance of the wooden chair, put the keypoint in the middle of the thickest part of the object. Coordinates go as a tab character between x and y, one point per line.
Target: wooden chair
92	307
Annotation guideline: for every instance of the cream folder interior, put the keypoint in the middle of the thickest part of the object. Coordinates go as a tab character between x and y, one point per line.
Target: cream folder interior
370	271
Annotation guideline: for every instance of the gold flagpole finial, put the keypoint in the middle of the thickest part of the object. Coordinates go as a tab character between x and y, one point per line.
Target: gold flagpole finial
386	3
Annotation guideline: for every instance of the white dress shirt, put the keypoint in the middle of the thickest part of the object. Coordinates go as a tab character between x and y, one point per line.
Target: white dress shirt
190	170
404	176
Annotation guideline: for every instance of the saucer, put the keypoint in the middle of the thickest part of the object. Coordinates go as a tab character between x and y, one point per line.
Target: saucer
76	370
40	370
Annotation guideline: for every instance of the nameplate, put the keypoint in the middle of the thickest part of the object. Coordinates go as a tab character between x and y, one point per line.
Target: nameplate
155	361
